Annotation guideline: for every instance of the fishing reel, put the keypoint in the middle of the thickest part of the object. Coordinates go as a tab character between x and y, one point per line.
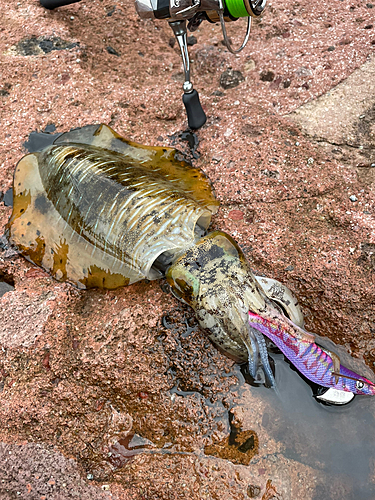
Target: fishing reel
189	14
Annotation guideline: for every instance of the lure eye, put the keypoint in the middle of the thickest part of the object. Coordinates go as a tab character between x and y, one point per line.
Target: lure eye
359	385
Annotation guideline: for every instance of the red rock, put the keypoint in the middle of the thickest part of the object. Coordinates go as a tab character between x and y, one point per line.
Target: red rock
111	347
235	215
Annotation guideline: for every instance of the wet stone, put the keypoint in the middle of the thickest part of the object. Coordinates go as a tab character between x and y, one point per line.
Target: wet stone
112	51
267	76
38	45
4	91
238	449
231	78
253	491
191	40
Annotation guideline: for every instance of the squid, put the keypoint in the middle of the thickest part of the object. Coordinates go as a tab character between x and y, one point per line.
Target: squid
98	210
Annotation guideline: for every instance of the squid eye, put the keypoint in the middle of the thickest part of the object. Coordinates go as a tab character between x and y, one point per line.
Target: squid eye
359	385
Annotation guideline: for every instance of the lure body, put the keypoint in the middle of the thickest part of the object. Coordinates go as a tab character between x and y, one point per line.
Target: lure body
314	362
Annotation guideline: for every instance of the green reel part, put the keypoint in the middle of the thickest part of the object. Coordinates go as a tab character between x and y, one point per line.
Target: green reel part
245	8
237	8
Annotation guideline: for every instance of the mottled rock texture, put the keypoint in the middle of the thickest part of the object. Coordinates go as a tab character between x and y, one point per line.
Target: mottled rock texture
121	388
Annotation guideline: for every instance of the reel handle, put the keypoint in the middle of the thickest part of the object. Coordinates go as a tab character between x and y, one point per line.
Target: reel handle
195	114
53	4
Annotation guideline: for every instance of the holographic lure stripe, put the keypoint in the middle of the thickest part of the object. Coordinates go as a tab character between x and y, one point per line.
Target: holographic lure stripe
312	361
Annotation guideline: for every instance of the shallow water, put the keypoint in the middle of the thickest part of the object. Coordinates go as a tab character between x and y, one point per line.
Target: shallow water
5	287
337	441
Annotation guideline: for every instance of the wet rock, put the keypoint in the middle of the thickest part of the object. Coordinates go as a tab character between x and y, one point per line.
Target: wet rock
191	40
112	51
253	491
267	76
236	215
231	78
33	471
5	90
239	450
37	45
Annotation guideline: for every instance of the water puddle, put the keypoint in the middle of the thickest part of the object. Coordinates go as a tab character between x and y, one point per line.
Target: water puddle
5	287
239	447
126	448
337	441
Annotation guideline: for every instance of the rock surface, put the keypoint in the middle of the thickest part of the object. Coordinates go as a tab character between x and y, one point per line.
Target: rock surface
119	394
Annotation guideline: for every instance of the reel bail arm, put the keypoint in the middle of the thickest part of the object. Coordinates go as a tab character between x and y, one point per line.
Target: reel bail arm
195	114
